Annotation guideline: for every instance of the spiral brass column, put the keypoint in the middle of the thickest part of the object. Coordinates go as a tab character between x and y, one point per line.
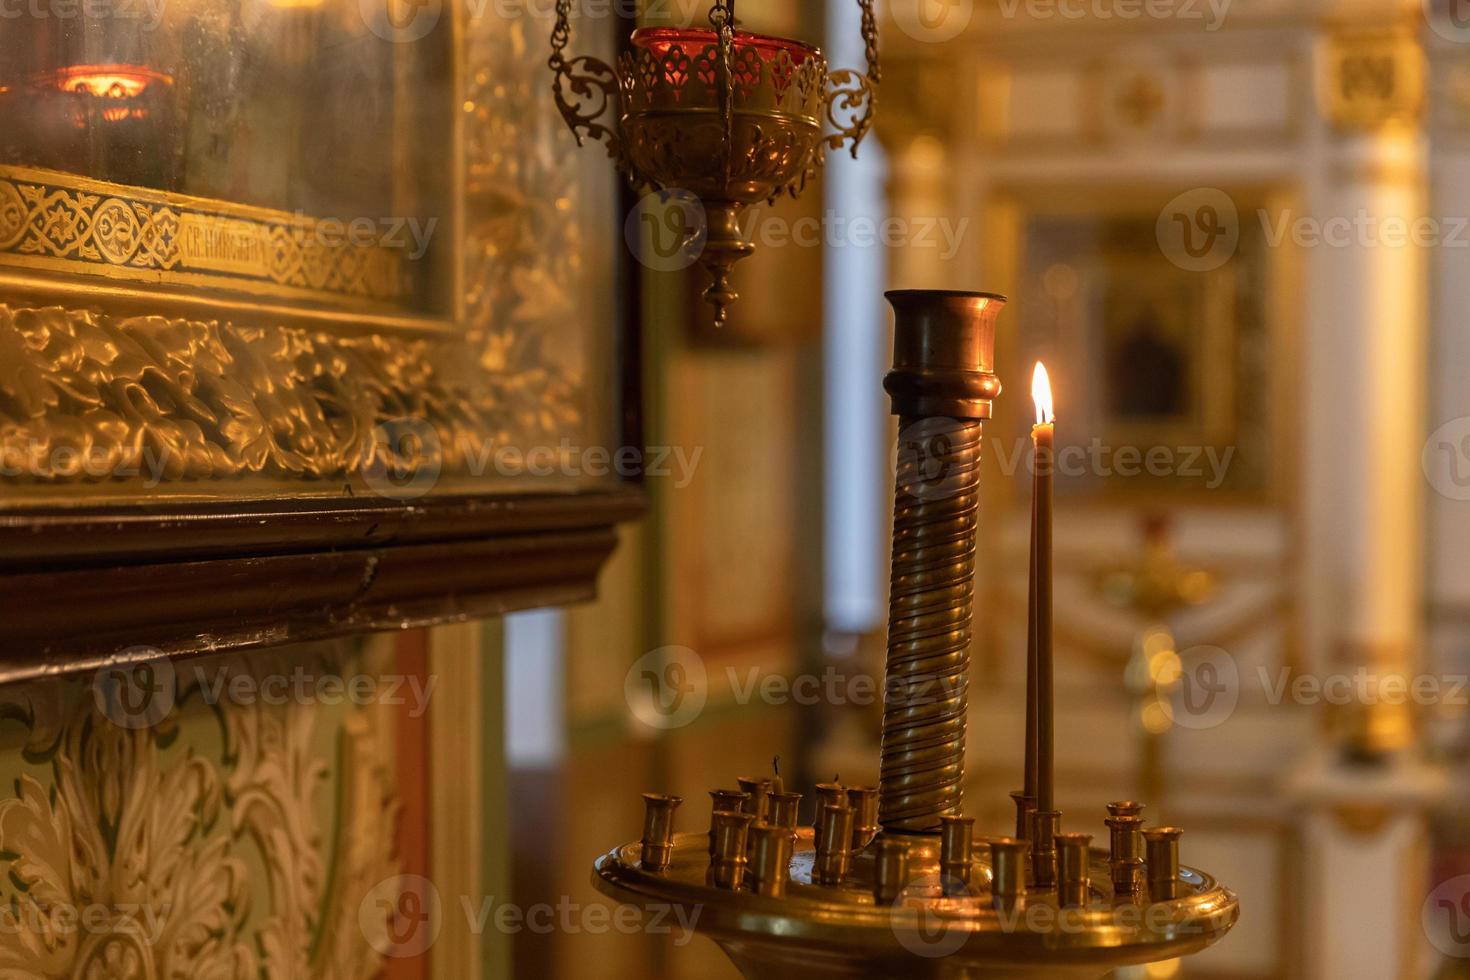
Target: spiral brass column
941	387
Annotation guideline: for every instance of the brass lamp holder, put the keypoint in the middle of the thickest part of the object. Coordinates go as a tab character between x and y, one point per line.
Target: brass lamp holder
890	881
732	117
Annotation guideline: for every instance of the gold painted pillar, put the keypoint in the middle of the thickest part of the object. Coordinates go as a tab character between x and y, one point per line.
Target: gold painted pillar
1363	825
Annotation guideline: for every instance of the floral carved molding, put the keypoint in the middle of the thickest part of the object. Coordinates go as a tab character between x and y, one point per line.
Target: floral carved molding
84	394
136	863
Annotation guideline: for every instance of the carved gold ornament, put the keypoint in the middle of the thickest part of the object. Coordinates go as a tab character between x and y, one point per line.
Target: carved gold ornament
92	396
1371	79
65	223
131	867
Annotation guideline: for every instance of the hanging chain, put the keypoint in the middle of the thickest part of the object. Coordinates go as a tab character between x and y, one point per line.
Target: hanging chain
722	19
561	34
870	41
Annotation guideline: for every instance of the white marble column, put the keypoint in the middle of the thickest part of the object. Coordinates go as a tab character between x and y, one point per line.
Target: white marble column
1364	824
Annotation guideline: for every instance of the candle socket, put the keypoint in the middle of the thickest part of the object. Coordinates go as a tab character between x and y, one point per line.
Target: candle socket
1162	845
1073	883
1044	827
723	801
756	790
864	803
770	859
891	872
834	844
1025	807
956	854
828	794
1126	852
658	830
1125	808
732	831
784	809
1008	866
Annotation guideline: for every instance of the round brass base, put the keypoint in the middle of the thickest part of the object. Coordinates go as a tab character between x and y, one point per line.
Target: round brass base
840	931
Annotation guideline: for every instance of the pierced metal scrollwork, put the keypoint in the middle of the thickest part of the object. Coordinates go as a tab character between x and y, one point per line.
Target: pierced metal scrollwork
586	89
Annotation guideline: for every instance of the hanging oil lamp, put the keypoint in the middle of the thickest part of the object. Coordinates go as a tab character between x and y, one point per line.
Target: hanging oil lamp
731	117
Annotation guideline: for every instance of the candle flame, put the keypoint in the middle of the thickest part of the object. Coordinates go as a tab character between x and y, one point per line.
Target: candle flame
1041	395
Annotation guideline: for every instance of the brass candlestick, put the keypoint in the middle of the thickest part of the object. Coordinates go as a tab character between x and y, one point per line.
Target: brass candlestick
849	906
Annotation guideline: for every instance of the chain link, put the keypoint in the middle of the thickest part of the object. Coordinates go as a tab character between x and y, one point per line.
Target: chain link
870	41
561	34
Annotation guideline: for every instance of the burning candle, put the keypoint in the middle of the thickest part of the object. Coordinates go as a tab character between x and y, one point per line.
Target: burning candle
1043	435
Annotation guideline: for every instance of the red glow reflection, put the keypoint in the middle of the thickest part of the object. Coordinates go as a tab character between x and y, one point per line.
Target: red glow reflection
105	81
691	39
